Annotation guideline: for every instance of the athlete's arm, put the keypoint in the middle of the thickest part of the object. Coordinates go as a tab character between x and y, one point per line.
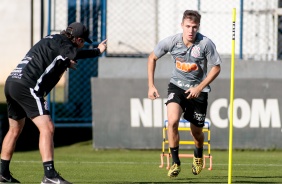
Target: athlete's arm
194	92
152	91
91	53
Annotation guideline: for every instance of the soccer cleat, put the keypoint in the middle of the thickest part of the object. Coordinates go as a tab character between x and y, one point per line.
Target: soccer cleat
9	179
56	180
197	165
174	170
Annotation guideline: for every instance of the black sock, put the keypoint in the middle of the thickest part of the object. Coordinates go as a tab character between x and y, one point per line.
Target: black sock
174	154
49	169
5	170
198	152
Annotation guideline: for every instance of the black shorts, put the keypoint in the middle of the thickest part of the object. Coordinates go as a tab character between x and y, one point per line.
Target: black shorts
22	101
194	109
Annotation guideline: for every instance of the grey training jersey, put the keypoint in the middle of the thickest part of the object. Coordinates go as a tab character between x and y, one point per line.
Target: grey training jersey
190	67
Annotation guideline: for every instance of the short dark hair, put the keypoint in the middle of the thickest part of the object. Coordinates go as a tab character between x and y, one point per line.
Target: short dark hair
192	15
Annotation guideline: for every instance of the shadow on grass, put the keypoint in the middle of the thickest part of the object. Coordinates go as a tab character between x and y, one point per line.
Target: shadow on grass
236	179
263	179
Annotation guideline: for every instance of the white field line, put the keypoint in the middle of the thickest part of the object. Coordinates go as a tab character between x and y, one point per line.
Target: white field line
144	163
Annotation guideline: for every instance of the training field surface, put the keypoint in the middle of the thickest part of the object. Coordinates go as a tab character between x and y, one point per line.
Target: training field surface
80	163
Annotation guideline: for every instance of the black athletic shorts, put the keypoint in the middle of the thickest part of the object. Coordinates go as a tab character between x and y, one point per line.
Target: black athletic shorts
22	101
194	109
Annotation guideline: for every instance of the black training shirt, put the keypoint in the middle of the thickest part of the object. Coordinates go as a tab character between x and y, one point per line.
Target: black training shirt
45	63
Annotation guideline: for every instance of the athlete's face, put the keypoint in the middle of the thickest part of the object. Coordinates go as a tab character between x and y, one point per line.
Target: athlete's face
80	42
190	29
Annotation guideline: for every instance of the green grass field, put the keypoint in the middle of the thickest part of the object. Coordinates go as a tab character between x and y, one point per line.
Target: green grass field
80	163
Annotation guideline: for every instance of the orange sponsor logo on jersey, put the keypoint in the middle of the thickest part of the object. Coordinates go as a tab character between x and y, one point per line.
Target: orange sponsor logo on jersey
186	67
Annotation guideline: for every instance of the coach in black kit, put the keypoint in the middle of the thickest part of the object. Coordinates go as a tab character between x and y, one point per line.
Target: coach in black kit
28	84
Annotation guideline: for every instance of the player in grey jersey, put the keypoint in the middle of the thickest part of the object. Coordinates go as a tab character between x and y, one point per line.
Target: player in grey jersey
188	89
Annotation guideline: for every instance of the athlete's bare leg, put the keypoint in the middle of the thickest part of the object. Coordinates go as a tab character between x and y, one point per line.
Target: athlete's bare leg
174	112
9	142
198	135
46	128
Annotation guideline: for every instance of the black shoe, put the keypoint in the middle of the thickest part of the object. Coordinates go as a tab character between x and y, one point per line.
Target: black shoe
9	179
56	180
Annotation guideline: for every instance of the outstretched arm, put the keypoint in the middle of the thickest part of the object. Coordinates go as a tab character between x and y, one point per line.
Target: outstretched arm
91	53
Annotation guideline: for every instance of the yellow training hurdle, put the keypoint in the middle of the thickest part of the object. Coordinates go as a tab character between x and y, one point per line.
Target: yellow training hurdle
206	129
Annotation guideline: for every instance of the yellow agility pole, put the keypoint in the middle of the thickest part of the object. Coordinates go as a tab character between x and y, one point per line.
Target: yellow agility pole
231	97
